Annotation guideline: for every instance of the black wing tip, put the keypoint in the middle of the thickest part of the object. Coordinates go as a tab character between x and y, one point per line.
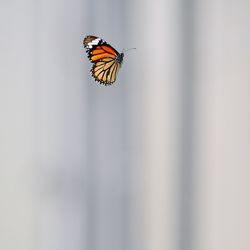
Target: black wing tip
89	38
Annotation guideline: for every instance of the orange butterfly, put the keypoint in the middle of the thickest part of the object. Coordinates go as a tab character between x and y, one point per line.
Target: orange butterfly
106	60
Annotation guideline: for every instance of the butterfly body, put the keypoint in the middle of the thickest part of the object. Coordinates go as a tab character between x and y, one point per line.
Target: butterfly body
120	58
106	60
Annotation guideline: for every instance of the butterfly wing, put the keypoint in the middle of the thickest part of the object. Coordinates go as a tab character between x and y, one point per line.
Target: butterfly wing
106	60
105	72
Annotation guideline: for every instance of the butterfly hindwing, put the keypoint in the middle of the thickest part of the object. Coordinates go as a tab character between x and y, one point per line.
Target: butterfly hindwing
106	60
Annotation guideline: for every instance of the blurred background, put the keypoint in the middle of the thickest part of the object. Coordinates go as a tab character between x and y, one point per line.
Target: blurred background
159	160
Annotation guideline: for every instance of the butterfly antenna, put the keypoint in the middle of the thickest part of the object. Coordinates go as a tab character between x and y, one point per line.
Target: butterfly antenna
127	50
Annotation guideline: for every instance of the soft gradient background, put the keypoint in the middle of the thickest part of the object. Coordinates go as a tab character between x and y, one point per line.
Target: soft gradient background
160	160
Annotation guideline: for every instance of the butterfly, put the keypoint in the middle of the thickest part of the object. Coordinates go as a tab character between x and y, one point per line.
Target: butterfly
106	60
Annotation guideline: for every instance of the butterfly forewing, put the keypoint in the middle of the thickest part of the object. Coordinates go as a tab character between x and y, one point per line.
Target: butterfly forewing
106	60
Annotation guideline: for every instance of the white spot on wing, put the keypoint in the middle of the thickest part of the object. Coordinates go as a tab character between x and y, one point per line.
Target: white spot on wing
94	42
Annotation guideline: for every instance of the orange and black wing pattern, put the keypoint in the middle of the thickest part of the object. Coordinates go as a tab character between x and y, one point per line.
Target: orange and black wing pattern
106	60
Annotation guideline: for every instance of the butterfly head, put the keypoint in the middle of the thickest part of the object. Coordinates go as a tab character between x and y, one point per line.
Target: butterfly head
120	58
